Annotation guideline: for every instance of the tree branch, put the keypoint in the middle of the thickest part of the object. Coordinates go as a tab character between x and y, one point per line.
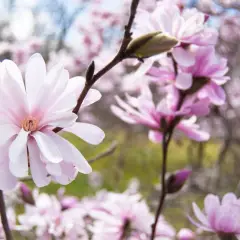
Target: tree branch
121	55
4	219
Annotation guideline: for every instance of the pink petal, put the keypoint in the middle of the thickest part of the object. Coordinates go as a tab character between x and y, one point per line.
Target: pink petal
93	96
34	77
18	164
14	73
199	215
155	136
192	132
183	81
54	169
216	94
38	170
229	198
59	119
69	173
7	180
47	147
71	154
122	115
88	132
211	206
183	57
8	131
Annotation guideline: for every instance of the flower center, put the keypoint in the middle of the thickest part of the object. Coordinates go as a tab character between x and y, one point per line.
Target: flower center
30	124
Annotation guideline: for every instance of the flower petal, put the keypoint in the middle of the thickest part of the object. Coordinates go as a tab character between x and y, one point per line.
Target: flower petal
18	164
47	147
88	132
38	171
183	81
35	76
7	131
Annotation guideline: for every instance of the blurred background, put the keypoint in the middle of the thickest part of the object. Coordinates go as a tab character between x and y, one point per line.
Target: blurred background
75	32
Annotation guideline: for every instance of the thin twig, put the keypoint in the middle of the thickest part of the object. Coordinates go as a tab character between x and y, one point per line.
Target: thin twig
163	190
110	150
167	136
4	219
121	55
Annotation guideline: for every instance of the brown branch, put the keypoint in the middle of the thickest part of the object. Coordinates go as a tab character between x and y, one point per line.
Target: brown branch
4	219
110	150
121	55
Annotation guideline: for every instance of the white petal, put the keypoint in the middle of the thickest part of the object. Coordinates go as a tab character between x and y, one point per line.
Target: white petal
93	96
7	131
183	81
35	76
47	147
88	132
38	170
7	180
18	164
61	119
14	72
183	57
71	154
54	169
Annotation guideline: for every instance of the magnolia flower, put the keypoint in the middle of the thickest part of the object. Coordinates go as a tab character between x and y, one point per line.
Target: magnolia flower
30	109
187	26
123	215
142	110
222	217
48	218
206	75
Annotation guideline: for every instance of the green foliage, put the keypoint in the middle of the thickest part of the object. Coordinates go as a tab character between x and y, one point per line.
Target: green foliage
135	156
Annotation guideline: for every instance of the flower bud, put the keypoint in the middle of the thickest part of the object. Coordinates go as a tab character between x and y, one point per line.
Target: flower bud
186	234
176	180
26	194
150	44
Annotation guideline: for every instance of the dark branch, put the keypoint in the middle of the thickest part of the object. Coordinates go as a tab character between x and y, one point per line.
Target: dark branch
4	219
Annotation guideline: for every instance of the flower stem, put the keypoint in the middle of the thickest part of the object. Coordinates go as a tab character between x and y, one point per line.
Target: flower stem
4	219
165	144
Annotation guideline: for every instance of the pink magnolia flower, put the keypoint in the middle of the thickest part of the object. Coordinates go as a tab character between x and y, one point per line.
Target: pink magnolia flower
188	26
30	109
126	215
204	75
142	110
222	217
48	219
208	68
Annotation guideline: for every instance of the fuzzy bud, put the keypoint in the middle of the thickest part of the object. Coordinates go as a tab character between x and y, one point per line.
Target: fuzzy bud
26	194
176	180
150	44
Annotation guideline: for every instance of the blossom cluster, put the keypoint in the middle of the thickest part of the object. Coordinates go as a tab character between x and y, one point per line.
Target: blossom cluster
116	216
190	75
106	215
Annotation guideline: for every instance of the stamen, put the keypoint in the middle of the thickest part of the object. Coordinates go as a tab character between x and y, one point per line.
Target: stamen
30	124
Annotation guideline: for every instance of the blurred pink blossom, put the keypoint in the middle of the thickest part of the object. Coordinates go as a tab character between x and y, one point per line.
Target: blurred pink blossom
142	110
221	217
